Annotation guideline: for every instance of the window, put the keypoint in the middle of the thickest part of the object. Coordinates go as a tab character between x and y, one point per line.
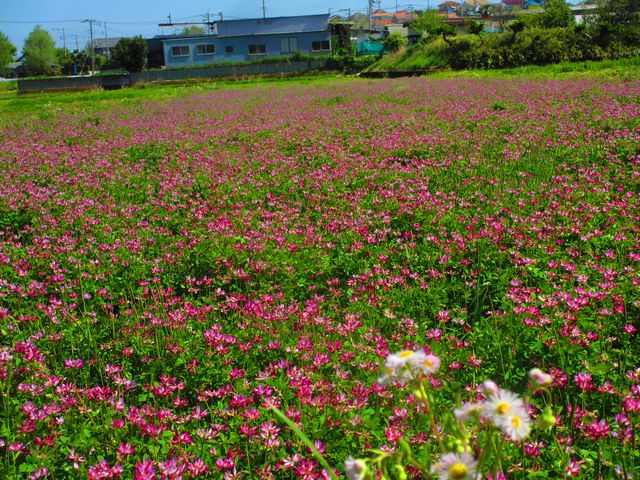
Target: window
319	46
206	49
260	49
180	51
228	49
288	45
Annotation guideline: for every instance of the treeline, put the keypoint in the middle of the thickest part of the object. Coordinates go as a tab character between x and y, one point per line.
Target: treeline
537	46
552	36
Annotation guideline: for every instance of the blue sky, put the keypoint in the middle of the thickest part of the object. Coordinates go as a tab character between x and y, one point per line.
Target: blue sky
141	17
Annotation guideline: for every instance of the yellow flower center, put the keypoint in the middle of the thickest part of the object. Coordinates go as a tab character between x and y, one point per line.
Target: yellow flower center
405	354
458	471
516	421
428	363
503	408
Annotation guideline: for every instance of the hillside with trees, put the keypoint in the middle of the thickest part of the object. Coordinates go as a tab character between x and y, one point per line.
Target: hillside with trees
544	36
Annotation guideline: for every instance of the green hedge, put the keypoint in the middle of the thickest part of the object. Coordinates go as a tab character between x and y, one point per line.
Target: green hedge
537	46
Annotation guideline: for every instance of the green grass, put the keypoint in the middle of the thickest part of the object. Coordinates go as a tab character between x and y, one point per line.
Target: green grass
11	85
625	68
35	104
417	57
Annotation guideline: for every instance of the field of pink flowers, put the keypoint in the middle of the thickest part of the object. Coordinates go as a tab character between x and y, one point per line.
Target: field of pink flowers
171	269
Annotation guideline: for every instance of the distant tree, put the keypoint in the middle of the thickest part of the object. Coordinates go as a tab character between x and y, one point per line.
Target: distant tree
7	51
130	54
619	18
619	12
193	30
557	14
430	24
76	63
360	21
39	52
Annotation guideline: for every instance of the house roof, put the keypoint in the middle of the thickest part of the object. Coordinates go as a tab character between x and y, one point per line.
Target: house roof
381	14
405	15
105	42
14	65
399	28
512	3
452	18
262	26
266	26
582	7
449	4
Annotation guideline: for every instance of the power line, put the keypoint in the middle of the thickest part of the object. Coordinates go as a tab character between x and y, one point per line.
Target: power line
40	22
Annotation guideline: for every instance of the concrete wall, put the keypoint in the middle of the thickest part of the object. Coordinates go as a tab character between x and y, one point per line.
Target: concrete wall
72	83
168	75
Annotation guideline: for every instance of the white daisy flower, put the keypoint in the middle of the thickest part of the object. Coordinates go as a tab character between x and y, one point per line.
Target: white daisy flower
516	425
355	469
500	405
467	411
401	366
429	363
456	467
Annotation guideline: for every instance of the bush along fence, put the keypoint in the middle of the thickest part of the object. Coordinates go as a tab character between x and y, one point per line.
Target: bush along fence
124	79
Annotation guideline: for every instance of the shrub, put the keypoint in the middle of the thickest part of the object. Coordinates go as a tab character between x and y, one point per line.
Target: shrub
394	42
535	46
130	54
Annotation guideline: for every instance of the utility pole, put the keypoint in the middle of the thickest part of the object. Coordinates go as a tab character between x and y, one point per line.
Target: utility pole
264	10
77	47
93	51
369	9
106	40
64	40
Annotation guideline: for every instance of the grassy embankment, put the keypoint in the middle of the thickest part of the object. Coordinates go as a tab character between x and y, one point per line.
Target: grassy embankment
432	56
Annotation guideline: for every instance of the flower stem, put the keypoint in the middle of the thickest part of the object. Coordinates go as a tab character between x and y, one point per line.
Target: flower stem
300	434
426	400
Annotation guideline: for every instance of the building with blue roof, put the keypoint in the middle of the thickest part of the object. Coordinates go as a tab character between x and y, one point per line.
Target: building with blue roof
249	39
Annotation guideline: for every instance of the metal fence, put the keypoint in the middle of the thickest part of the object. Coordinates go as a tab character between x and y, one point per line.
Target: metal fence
167	75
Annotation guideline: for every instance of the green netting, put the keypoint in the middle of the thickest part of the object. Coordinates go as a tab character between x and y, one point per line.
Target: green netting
369	48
